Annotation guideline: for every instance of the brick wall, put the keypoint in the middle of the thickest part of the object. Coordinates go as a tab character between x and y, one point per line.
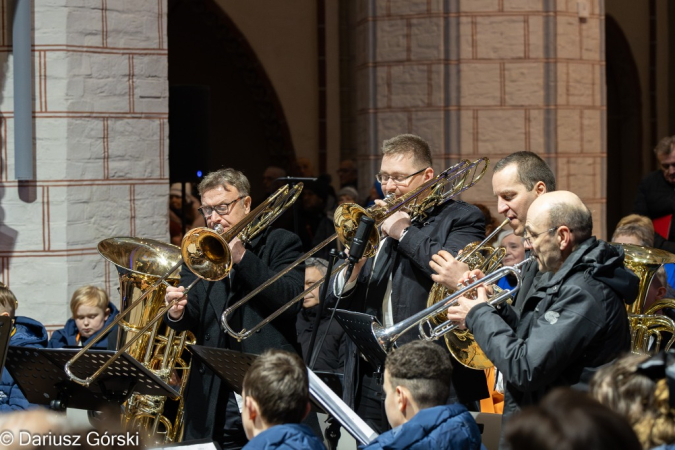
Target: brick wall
487	78
101	144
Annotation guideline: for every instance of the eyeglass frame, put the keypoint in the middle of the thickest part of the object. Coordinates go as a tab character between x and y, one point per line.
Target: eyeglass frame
666	166
528	239
229	206
378	177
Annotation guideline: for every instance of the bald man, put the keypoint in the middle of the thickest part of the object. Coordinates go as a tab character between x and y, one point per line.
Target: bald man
573	320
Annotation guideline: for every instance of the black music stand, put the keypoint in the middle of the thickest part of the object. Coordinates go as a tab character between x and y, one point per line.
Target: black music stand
359	328
40	374
231	366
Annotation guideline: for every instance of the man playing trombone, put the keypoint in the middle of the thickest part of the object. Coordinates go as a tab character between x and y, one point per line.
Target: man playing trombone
573	319
396	282
211	410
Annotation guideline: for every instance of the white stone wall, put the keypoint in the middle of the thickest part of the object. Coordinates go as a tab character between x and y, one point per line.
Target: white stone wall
101	144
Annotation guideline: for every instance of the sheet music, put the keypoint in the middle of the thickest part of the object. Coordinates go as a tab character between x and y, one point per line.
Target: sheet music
334	405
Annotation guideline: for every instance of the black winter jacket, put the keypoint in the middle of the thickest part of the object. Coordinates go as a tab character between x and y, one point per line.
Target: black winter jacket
332	354
573	322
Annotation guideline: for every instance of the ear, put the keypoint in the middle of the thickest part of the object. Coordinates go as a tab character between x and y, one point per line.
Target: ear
401	399
540	188
564	236
428	174
247	204
661	292
251	408
107	313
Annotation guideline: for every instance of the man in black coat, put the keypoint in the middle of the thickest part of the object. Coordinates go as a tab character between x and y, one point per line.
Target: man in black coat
395	284
211	410
656	193
572	321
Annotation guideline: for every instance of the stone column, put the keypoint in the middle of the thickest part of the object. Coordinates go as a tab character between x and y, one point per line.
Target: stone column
487	78
101	145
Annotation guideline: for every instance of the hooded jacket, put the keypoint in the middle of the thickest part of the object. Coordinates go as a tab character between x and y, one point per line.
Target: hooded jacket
67	336
449	427
290	436
29	333
572	322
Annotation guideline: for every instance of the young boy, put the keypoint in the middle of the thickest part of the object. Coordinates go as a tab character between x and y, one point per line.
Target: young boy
91	313
276	399
417	384
26	332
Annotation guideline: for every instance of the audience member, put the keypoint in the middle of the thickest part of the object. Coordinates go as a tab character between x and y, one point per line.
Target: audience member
275	400
180	218
91	313
331	356
26	332
375	193
569	420
269	180
315	226
417	385
348	173
643	401
347	195
305	167
515	253
490	222
655	197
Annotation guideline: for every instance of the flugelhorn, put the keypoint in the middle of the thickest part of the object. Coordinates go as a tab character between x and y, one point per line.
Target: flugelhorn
206	253
387	337
448	184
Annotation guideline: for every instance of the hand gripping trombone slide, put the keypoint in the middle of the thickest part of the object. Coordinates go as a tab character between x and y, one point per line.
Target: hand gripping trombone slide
207	254
447	185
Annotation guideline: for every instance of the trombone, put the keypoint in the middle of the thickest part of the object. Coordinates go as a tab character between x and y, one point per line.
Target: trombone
386	337
448	184
207	254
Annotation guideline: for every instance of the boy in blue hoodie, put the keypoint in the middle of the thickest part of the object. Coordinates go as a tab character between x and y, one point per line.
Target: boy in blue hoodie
92	312
26	332
275	400
417	384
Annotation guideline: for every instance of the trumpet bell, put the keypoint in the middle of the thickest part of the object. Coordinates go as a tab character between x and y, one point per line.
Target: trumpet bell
206	253
346	220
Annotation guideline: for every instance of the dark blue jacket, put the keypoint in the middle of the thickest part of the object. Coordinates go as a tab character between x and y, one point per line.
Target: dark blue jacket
29	333
288	436
449	427
67	336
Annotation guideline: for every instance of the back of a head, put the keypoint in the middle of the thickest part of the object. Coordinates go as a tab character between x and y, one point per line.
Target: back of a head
409	144
278	382
8	302
640	227
90	296
531	169
569	420
423	368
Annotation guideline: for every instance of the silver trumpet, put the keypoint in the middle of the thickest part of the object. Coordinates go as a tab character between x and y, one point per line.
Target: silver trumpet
386	337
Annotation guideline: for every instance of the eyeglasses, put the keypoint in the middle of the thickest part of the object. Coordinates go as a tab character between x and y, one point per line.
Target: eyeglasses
398	179
532	235
666	166
222	210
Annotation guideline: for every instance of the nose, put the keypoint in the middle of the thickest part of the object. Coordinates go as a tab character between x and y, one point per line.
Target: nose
389	186
502	207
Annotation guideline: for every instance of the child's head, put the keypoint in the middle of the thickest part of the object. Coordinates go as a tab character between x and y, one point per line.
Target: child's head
275	391
416	376
89	306
8	302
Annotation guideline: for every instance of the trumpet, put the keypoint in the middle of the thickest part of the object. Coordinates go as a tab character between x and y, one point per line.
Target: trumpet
387	337
448	184
207	254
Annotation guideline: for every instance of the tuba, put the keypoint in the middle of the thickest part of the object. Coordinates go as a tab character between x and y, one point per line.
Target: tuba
461	343
646	325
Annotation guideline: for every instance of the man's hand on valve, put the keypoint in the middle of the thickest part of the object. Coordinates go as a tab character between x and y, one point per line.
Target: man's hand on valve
176	293
448	269
458	312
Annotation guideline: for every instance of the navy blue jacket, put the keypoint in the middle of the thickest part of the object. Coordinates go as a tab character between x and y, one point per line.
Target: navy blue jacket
67	336
450	427
29	333
288	436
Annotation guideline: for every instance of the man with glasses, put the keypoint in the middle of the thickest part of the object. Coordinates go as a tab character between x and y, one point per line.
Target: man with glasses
572	321
211	410
395	283
656	195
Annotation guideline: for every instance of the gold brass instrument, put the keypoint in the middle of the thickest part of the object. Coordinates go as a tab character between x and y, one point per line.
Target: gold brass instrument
207	254
448	184
387	337
461	343
645	323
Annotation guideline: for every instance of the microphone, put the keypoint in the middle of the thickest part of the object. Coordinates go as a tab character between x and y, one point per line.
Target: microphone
359	243
295	179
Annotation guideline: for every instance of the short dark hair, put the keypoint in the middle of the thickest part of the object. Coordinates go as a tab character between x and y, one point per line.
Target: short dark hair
278	382
222	177
409	144
423	368
531	169
578	219
665	146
